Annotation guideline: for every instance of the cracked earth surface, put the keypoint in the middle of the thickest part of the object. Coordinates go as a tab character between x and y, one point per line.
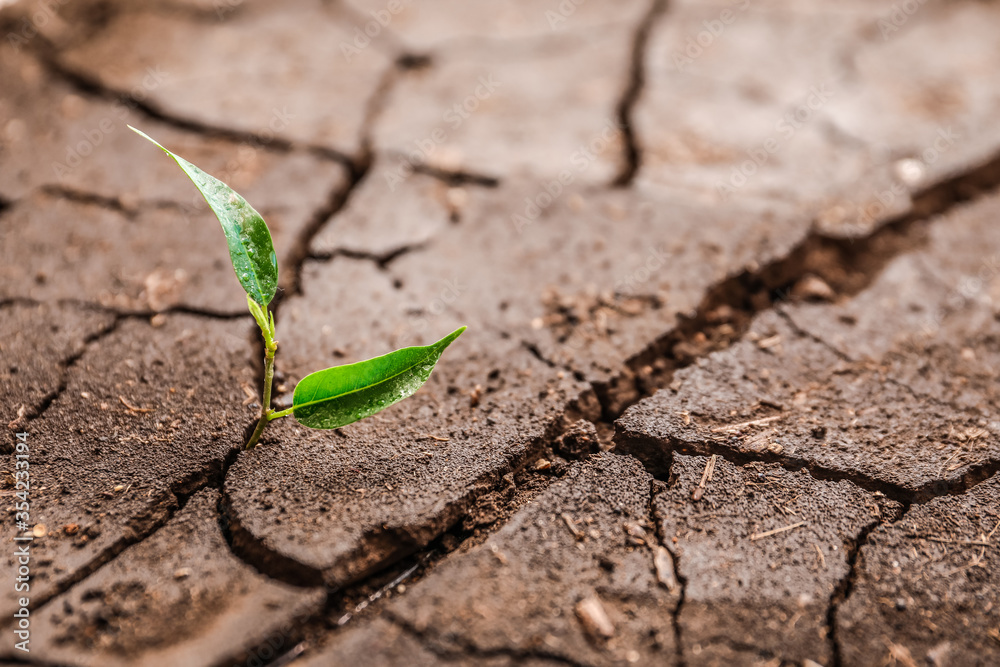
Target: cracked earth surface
728	394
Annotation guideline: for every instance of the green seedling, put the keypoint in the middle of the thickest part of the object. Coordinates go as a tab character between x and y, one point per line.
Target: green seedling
329	398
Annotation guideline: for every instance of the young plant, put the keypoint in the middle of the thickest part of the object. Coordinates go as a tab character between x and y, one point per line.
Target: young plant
329	398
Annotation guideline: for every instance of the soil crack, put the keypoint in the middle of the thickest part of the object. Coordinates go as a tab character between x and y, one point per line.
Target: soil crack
92	87
845	586
382	261
140	528
633	91
120	317
67	364
470	650
268	562
844	357
457	177
79	196
361	596
793	325
975	475
750	293
115	204
656	487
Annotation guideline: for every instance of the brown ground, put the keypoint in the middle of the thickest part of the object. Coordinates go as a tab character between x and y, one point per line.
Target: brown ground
728	394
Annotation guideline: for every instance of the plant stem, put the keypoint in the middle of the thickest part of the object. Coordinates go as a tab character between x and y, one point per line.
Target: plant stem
252	442
270	346
279	415
265	405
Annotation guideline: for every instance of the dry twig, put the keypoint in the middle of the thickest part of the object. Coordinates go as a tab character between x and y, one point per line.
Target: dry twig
769	533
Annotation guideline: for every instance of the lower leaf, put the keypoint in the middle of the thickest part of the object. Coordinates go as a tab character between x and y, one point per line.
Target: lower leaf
338	396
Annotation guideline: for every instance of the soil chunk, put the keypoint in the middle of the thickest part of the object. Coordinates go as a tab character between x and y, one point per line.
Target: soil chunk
178	598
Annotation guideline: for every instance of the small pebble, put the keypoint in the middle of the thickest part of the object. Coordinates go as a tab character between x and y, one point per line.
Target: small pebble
813	288
663	562
594	618
909	171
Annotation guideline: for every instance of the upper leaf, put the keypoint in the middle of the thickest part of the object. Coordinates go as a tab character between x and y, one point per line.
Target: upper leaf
249	239
340	395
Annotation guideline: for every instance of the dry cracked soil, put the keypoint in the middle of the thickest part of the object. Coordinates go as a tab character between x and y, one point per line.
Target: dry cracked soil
728	395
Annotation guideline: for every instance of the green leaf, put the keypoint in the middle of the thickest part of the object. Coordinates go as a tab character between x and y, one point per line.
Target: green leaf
250	246
341	395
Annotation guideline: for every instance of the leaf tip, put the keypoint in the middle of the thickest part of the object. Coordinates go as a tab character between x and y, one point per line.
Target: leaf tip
148	138
450	338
